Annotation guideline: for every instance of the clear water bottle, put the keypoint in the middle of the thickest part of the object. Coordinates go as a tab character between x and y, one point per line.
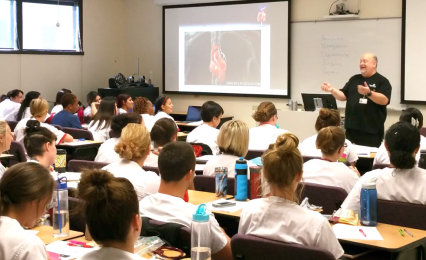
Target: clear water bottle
61	225
368	203
241	179
200	234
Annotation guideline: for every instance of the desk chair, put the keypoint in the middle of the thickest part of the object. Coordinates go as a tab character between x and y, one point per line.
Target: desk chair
12	124
329	197
251	154
77	219
248	247
423	131
18	152
208	184
166	231
57	127
402	214
152	169
380	166
78	165
78	133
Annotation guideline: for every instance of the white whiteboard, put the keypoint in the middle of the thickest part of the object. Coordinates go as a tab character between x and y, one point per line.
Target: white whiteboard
330	52
415	51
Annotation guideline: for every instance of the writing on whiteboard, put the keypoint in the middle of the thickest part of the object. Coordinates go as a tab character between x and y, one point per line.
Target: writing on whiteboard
333	52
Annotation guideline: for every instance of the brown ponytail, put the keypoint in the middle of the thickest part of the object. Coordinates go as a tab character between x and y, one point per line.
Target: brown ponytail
330	140
326	118
109	205
282	162
265	111
25	182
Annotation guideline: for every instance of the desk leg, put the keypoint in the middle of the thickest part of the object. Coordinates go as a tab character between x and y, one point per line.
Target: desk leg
416	252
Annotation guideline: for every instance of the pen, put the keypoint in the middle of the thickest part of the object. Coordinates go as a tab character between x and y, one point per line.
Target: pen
406	231
77	242
400	231
362	232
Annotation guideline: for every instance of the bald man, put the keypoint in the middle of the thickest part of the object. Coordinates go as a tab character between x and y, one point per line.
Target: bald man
367	95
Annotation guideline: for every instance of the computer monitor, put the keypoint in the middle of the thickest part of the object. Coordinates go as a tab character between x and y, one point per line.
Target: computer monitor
194	113
314	102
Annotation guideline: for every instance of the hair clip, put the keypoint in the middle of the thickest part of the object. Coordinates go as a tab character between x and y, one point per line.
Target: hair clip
414	122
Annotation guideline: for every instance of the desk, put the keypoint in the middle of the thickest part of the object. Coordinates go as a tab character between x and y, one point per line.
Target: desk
81	150
182	136
45	233
200	197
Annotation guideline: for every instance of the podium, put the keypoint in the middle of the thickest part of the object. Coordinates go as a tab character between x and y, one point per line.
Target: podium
150	93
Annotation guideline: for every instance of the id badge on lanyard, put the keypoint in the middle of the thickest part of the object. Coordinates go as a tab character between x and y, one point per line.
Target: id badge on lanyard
363	100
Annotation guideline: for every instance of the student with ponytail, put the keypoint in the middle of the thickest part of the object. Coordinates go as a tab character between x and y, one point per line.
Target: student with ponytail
403	180
40	144
267	132
25	191
6	138
24	110
410	115
278	216
327	117
328	170
10	104
111	210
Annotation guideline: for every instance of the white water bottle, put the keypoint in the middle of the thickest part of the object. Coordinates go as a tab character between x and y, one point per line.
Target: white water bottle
200	234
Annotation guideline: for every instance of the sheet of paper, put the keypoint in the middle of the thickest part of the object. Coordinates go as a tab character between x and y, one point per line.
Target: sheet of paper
32	232
343	231
363	150
200	167
197	123
239	205
205	158
71	176
72	184
62	247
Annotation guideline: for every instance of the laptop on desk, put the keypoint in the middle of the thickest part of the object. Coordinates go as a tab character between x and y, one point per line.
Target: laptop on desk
193	115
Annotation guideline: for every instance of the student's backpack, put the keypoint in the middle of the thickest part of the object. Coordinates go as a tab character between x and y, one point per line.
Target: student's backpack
201	149
170	233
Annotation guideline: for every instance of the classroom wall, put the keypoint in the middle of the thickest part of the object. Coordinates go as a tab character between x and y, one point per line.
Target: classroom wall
143	23
104	57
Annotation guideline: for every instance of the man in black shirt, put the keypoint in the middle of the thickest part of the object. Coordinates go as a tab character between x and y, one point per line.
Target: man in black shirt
367	95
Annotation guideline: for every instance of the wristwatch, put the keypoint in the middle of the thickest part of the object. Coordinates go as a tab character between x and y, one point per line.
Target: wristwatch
369	94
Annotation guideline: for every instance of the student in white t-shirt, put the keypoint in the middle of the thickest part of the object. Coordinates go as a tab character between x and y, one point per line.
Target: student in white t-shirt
6	138
211	113
403	181
38	108
176	163
100	126
106	151
232	140
278	216
328	117
22	207
413	116
124	103
163	132
10	104
144	107
24	110
328	170
267	132
40	144
163	108
93	101
111	212
133	148
58	101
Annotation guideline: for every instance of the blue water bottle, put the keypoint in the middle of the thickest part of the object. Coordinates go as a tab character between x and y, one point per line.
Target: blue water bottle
368	203
241	179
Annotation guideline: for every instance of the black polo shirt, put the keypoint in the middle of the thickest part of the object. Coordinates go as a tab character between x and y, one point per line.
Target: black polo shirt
370	117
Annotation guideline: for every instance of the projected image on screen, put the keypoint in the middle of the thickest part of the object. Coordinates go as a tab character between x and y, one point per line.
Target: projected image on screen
230	58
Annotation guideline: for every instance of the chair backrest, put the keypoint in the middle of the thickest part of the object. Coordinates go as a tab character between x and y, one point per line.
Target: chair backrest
251	154
402	214
77	218
208	184
184	236
380	166
247	247
57	127
151	169
18	151
329	197
423	131
78	133
12	124
307	158
77	165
